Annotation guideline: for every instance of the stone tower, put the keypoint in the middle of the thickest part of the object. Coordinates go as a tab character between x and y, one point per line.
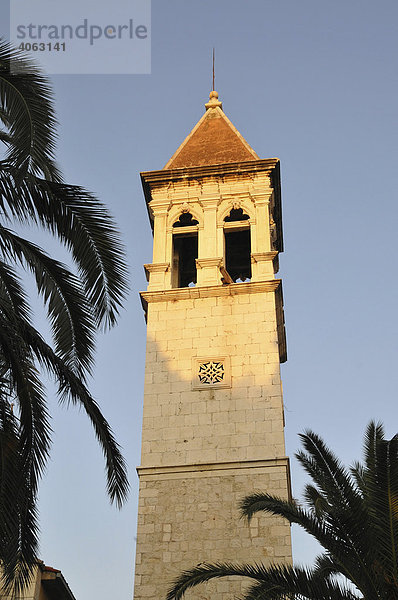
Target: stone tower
213	411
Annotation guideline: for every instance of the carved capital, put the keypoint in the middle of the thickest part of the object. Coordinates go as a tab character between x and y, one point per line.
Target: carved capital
263	256
209	203
160	210
156	268
209	262
262	199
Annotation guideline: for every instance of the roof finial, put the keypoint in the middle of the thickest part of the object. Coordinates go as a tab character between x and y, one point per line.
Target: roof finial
213	97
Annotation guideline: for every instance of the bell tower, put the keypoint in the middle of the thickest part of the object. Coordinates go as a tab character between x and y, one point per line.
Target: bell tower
213	424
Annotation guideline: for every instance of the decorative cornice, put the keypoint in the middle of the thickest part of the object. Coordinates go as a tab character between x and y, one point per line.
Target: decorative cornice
217	291
253	287
166	175
219	466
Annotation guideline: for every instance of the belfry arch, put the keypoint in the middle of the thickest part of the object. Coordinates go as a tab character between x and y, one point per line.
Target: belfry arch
237	244
184	251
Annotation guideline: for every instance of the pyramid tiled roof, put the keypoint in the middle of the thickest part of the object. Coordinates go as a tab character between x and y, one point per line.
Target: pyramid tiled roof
213	140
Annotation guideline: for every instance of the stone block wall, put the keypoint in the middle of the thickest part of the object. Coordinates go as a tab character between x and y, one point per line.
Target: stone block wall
204	447
188	518
184	425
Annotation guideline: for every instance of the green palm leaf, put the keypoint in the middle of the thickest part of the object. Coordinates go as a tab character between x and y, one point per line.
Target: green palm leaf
382	491
32	193
352	513
276	582
72	389
27	112
18	523
68	310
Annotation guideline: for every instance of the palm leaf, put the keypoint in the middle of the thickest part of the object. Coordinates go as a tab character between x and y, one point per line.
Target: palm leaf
339	545
383	507
274	582
18	548
26	110
11	292
84	226
71	389
18	519
327	472
32	192
69	313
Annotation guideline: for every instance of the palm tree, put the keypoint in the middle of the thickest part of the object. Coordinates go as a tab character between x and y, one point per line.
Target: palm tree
352	513
78	303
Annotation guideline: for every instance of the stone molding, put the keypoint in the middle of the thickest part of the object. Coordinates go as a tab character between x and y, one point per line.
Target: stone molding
263	256
210	291
219	466
252	166
216	261
183	230
156	268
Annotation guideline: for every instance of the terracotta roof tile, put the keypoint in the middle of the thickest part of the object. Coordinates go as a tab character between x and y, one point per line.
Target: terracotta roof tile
214	140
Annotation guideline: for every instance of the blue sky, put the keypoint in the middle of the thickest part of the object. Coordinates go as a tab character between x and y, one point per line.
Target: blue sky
314	83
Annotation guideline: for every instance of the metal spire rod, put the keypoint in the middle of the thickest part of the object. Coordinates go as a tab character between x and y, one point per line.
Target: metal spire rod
214	76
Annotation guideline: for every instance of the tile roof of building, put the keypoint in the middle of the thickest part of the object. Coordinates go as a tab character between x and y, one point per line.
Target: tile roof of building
213	140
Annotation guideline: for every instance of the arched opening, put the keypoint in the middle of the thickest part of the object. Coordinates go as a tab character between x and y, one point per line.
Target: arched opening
237	245
236	214
185	251
185	220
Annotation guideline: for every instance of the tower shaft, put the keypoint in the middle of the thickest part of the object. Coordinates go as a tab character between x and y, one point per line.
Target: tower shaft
213	425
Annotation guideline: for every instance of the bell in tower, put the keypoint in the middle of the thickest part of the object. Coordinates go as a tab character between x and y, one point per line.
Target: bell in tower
213	424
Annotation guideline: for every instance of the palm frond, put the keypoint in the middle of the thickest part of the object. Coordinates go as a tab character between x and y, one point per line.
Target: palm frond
317	502
11	292
382	488
18	549
206	572
357	471
32	192
34	426
27	111
84	226
73	390
285	582
327	472
69	313
340	544
346	512
325	565
18	518
273	583
373	435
